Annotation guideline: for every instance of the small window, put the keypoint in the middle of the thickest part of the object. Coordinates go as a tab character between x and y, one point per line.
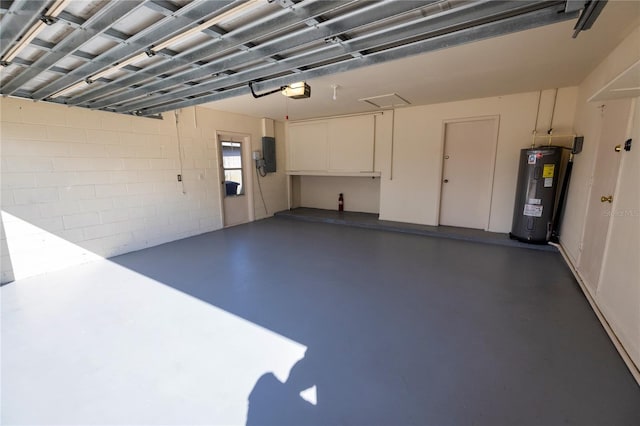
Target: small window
232	167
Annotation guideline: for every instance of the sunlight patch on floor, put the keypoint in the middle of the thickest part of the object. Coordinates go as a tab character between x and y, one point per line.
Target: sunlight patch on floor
310	395
35	251
103	344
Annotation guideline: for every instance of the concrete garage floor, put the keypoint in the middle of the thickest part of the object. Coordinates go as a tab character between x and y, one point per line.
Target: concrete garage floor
372	327
371	221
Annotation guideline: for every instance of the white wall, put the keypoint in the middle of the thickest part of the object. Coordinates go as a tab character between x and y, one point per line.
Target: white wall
99	183
411	192
618	290
361	194
588	123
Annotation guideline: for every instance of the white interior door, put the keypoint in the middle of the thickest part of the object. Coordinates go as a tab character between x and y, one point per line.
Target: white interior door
467	172
235	177
615	121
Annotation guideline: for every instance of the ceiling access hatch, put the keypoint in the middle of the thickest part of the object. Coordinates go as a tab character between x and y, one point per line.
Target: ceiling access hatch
386	101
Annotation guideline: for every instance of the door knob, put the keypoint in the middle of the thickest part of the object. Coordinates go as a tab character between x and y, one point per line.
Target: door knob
446	157
608	199
446	180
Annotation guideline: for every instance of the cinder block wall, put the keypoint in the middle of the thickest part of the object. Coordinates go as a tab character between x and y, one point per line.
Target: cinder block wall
77	184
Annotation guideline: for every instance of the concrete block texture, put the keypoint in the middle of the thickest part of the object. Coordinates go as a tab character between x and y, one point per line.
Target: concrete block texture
106	183
35	195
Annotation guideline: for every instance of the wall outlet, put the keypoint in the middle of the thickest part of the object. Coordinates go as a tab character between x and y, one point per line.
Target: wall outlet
179	178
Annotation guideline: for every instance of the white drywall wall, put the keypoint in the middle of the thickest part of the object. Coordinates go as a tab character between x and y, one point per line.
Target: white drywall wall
409	148
587	123
618	292
411	192
361	194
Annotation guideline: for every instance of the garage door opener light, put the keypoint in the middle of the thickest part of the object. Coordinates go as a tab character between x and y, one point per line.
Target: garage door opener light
298	90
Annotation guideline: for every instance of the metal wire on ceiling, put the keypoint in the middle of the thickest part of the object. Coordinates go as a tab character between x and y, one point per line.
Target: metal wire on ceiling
145	57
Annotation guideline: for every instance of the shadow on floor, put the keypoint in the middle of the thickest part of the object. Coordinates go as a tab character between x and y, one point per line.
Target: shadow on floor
404	329
274	403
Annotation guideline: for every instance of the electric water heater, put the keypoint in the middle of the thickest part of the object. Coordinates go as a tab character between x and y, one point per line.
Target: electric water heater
536	194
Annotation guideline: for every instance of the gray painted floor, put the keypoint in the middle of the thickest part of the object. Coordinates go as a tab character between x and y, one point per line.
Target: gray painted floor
387	328
371	221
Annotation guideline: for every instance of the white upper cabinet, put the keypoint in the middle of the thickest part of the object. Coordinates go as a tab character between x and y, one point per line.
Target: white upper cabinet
338	146
307	146
351	143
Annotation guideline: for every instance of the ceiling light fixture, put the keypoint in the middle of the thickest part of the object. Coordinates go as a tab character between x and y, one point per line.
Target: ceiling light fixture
231	13
69	89
116	67
103	73
32	32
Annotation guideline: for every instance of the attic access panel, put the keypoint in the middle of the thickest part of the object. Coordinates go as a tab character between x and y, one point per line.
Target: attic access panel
145	57
386	101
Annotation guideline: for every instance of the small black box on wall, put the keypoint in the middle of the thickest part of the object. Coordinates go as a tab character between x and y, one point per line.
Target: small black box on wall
269	153
577	144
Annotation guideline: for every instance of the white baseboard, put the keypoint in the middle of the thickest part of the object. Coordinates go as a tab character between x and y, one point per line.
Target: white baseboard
633	368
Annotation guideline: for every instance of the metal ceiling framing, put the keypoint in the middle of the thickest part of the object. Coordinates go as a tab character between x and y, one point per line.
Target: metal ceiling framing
275	43
23	15
172	24
333	52
319	31
226	43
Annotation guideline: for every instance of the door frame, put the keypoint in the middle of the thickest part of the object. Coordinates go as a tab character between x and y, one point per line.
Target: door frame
494	153
590	195
247	167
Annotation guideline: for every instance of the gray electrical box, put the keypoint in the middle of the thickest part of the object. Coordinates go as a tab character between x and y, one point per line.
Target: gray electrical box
577	145
269	153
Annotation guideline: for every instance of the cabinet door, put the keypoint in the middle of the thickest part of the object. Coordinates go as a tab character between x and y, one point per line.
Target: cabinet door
351	144
307	147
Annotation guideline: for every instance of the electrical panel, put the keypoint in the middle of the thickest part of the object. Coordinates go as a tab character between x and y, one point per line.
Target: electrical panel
269	154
